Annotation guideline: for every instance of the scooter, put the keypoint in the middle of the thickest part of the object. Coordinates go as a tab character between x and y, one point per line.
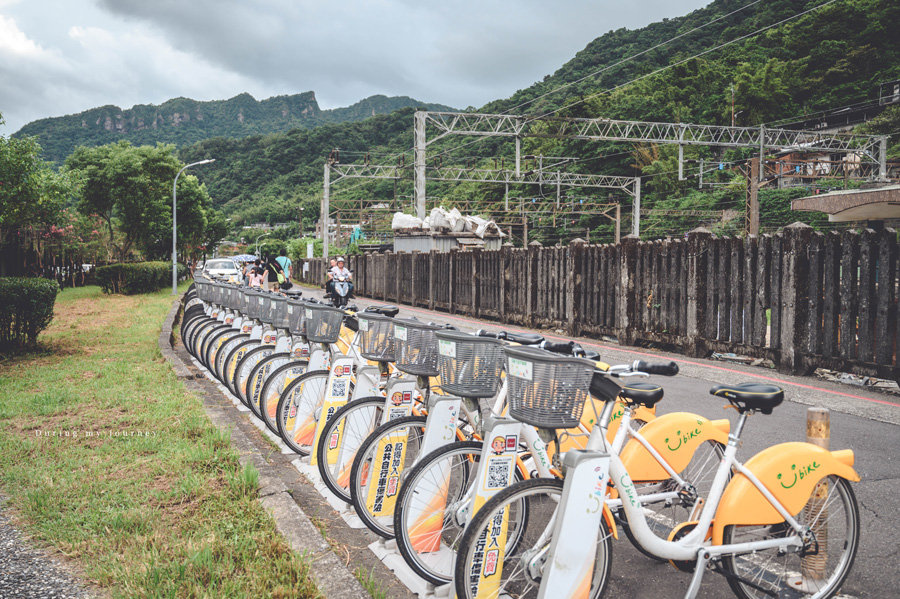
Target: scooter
341	293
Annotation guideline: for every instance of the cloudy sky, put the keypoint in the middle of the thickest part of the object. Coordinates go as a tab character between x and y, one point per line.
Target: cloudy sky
60	57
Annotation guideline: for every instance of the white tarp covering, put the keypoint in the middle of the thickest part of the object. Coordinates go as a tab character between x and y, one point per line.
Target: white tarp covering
405	221
452	220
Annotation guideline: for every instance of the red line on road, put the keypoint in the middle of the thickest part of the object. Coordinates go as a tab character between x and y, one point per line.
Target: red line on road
637	353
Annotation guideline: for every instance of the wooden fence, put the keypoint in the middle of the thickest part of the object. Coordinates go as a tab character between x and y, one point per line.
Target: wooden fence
800	298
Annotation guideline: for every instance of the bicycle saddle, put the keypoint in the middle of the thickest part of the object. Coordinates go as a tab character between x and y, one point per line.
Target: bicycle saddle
524	338
645	394
384	310
750	396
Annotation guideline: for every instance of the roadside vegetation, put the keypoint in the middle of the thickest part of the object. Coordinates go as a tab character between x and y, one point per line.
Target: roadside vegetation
106	457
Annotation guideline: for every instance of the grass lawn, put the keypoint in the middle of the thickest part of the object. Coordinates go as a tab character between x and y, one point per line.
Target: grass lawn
107	458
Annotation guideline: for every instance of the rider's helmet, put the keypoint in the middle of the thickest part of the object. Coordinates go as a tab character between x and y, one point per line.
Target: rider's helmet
339	259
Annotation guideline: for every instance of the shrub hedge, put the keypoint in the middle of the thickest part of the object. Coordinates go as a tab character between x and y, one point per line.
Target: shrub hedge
137	277
26	309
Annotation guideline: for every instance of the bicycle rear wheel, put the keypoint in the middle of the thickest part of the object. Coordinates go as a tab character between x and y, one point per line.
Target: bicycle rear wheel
663	516
833	516
375	478
530	507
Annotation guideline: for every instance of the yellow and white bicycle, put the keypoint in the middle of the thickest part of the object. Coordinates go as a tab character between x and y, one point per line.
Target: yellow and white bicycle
785	524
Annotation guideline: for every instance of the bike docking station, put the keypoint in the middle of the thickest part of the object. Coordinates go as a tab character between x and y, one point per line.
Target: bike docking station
455	481
352	378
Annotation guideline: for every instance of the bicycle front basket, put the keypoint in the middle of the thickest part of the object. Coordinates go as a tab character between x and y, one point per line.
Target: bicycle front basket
469	365
217	293
323	323
265	308
376	337
237	299
547	390
202	289
296	313
415	346
255	300
278	310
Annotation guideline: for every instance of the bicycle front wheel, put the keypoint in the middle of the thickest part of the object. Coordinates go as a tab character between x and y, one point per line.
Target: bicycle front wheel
282	375
299	410
833	517
341	439
375	478
427	522
529	508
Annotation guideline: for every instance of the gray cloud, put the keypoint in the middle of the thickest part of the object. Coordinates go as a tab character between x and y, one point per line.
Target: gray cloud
467	52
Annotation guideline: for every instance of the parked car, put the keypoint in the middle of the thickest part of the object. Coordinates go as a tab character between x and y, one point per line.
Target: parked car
223	267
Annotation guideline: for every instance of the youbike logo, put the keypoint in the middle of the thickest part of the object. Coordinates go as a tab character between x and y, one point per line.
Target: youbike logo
796	474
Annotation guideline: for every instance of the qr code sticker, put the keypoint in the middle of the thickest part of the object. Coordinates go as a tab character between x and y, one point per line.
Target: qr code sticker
498	472
339	388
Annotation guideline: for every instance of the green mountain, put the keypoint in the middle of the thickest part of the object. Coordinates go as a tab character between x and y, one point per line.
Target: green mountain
183	121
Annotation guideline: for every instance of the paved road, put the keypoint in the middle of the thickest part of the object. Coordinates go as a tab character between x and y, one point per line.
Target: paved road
865	421
29	573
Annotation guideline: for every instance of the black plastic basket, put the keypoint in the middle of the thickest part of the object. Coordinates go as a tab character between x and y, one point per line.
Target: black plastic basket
469	365
547	390
278	309
376	337
323	323
296	314
415	347
254	302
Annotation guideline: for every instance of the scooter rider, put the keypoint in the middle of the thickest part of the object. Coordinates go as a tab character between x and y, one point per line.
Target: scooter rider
339	271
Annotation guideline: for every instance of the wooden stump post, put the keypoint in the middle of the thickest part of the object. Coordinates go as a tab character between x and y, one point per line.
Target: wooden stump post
813	567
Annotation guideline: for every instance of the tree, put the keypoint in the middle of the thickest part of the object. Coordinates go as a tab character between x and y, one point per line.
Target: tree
130	188
31	192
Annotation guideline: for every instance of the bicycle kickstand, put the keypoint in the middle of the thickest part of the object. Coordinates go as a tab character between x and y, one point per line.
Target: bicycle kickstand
703	558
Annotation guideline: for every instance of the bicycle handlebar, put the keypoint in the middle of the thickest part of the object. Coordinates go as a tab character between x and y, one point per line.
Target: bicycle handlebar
663	369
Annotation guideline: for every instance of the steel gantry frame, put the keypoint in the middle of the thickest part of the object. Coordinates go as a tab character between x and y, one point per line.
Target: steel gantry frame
518	126
336	171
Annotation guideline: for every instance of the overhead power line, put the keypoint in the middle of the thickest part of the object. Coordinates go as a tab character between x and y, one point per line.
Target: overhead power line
680	62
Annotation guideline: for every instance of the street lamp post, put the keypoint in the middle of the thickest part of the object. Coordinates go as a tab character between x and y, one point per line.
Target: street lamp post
174	224
257	242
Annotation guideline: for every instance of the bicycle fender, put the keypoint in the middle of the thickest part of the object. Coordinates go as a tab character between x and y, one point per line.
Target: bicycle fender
676	437
790	471
610	521
576	440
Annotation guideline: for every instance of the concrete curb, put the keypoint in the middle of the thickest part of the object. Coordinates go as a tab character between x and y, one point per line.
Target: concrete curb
331	575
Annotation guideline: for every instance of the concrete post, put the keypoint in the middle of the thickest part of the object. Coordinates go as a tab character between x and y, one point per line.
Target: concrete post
534	249
574	275
795	296
626	301
698	250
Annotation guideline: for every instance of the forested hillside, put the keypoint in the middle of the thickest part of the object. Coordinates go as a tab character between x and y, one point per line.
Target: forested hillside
833	56
183	121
